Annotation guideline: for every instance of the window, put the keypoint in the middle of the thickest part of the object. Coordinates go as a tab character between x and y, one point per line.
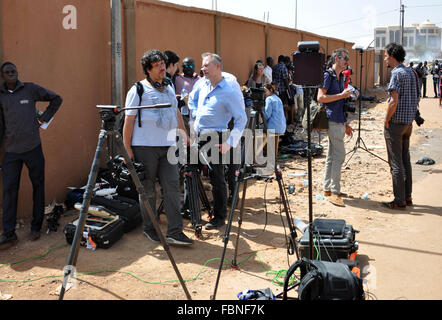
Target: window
433	42
383	42
391	36
405	41
378	42
411	42
423	31
381	31
408	30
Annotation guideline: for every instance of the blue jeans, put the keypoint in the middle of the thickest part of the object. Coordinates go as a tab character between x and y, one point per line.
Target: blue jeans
11	168
436	87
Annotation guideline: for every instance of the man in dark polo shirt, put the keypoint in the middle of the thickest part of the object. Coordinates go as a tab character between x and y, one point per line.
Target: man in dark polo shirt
404	92
332	94
19	126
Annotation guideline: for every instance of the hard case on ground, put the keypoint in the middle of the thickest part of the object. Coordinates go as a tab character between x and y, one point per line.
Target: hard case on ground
333	240
104	231
127	209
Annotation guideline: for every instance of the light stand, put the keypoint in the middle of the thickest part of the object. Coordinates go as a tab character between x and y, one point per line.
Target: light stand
108	116
359	139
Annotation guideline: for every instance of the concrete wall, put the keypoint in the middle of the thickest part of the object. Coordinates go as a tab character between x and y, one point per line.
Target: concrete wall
76	63
73	63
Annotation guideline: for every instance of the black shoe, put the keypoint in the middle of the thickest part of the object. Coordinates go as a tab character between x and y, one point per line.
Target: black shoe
35	235
179	239
214	224
186	214
395	205
409	201
152	236
8	240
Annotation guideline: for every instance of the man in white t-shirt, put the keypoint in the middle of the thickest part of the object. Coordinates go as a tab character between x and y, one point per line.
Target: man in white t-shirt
147	140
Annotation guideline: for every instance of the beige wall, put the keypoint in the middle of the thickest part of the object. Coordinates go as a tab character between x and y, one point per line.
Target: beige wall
77	64
72	63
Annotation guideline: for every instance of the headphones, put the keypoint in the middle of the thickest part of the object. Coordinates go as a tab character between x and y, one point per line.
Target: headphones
158	85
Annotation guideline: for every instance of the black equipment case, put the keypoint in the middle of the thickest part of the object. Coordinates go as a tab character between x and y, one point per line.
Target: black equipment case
127	209
333	240
103	230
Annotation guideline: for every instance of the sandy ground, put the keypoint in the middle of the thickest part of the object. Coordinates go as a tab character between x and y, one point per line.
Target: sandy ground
398	250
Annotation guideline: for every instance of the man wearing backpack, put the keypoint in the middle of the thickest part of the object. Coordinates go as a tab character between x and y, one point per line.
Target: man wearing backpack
149	140
332	95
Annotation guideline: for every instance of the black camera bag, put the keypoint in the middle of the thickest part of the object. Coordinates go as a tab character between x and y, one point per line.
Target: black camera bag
127	209
323	280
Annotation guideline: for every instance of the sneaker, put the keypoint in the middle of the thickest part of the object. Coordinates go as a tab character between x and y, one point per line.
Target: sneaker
336	200
152	236
8	240
35	235
179	239
395	205
214	224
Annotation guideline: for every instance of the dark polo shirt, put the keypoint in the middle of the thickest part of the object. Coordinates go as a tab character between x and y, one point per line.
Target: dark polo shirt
18	116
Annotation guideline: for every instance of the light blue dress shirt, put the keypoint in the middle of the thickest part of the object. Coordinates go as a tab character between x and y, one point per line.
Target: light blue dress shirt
274	113
215	107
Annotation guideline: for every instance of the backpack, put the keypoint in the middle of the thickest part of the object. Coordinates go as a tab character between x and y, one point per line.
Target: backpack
323	280
140	91
318	115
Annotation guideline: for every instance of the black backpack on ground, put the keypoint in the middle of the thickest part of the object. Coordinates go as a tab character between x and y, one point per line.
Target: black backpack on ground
323	280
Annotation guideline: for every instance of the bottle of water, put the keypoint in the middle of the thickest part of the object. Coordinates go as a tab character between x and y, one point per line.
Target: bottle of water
184	109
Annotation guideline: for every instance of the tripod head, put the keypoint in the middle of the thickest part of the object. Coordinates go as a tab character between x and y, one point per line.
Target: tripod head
108	113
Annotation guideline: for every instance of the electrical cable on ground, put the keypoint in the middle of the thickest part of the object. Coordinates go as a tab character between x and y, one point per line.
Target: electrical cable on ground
277	274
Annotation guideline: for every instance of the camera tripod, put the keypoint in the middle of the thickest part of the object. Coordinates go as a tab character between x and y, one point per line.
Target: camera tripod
194	192
359	139
108	118
243	174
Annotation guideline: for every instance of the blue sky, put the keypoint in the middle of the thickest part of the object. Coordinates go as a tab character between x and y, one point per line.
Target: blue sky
351	20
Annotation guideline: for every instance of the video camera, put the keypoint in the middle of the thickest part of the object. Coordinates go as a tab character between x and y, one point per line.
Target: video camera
353	98
254	97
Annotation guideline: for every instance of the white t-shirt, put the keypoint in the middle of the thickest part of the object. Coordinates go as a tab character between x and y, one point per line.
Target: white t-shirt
158	126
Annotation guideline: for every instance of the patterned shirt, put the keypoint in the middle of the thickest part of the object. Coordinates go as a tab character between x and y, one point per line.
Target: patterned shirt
280	73
404	81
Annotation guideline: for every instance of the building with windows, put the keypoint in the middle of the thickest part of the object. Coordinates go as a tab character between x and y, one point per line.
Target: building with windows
419	40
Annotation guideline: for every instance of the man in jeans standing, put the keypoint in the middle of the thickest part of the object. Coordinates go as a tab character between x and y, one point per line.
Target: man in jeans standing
402	106
332	94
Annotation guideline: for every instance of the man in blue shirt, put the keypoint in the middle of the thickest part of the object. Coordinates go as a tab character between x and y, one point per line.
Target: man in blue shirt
402	106
218	102
332	94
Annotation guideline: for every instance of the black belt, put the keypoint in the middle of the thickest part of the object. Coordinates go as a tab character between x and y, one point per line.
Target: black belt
398	122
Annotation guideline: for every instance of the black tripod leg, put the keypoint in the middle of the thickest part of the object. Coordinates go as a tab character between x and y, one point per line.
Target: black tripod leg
241	210
73	255
194	202
203	196
226	239
285	202
145	202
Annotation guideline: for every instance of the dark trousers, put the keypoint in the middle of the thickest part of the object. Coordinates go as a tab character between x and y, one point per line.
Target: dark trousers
424	87
11	168
397	138
158	167
218	181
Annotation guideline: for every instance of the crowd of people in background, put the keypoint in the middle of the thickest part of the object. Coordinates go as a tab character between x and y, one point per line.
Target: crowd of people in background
423	71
